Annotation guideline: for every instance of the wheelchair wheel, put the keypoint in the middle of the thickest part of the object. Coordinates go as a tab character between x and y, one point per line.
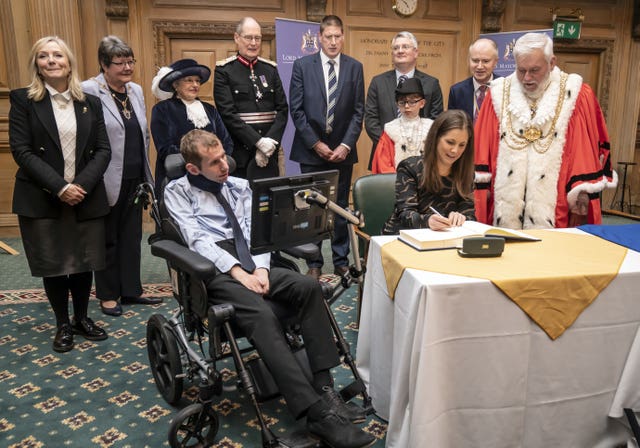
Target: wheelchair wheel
164	358
193	427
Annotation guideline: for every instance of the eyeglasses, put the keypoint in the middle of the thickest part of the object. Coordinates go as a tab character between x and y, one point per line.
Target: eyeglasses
402	47
256	39
130	63
410	103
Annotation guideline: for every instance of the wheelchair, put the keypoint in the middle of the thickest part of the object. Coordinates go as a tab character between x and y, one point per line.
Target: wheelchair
176	345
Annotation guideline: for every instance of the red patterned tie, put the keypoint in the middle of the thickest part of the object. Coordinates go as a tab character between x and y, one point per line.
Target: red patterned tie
479	100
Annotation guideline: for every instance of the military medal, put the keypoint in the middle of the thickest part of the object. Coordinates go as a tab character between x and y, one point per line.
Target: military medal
252	77
264	81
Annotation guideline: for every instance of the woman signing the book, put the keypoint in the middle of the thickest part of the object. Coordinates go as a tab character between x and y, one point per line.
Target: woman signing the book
435	190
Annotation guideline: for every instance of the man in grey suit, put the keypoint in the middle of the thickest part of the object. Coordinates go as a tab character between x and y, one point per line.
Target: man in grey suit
468	95
381	105
326	100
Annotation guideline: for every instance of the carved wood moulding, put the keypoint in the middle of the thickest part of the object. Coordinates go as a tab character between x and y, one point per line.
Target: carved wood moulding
492	11
316	10
368	8
263	5
117	9
604	47
164	31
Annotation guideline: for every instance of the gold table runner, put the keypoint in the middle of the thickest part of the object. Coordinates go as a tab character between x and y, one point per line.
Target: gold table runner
552	280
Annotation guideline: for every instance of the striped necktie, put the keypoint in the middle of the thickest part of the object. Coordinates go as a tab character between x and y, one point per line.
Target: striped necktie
482	91
401	80
331	99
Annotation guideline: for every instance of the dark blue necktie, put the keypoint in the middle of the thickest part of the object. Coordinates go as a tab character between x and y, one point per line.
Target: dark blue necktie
401	79
331	99
242	248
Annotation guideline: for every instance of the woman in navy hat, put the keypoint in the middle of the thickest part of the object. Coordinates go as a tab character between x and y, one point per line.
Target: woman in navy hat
403	137
181	111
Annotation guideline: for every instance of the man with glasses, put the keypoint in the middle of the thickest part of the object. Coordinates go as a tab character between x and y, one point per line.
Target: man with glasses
468	95
381	105
249	96
327	105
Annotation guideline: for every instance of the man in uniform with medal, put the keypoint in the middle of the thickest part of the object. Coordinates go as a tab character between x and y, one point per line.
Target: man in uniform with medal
541	145
253	106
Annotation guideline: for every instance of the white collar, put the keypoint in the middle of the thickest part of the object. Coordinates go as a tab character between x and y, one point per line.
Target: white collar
53	92
324	58
409	74
476	84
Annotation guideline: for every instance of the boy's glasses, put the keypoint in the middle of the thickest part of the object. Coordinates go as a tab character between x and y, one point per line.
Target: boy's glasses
410	103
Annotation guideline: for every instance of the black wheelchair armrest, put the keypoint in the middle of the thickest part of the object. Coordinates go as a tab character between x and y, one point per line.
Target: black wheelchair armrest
308	251
183	258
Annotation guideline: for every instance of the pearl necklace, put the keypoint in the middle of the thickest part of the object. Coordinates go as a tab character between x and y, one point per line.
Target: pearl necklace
412	133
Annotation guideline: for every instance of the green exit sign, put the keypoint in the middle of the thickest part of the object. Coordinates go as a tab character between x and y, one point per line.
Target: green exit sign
566	29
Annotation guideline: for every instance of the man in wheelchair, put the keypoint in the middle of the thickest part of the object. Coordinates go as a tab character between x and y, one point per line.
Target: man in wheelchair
213	212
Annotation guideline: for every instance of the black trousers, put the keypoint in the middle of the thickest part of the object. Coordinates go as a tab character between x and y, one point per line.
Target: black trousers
340	240
260	325
121	276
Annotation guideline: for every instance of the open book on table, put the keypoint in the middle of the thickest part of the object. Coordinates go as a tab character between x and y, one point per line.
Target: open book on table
427	239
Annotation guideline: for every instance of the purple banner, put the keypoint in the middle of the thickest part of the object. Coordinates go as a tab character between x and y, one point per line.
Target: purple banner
505	42
294	39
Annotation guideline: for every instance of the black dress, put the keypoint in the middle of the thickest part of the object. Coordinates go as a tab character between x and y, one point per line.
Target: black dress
412	203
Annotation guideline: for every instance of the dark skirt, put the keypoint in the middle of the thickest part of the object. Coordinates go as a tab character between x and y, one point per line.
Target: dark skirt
63	246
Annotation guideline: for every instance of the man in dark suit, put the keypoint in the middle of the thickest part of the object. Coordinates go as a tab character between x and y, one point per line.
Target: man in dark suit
381	105
468	95
326	99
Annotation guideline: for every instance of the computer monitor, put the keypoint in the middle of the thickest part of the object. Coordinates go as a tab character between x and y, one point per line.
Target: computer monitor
281	218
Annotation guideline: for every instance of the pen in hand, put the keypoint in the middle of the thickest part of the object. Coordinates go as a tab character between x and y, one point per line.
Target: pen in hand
438	222
435	211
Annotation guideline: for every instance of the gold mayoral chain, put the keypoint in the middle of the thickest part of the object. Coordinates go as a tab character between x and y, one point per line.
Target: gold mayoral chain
125	110
532	135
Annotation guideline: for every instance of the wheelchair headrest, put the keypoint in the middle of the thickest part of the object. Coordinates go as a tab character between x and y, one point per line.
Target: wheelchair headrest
175	165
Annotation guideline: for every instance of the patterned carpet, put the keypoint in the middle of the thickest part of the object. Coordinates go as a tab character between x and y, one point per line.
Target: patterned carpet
102	394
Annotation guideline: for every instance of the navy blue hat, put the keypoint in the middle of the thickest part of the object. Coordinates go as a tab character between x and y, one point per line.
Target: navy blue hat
181	69
410	86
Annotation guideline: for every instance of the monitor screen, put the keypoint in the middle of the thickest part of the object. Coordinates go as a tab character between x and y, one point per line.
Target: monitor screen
281	218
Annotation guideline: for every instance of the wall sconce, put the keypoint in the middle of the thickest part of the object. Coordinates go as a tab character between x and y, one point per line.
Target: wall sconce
567	26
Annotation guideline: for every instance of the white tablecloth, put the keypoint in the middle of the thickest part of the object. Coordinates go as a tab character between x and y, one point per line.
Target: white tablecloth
452	362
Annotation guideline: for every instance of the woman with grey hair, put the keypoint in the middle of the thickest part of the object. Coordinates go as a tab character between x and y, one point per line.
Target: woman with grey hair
58	139
126	122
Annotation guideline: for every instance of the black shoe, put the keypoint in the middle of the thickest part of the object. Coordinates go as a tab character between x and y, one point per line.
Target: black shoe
140	300
337	432
315	273
341	270
63	341
88	329
349	411
113	311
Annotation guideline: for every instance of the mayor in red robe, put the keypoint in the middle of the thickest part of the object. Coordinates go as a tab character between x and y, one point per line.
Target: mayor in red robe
542	154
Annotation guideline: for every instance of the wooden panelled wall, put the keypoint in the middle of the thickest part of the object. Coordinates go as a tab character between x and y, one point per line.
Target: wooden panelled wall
160	31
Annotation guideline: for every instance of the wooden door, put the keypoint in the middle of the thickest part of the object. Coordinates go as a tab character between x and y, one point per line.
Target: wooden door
586	65
208	52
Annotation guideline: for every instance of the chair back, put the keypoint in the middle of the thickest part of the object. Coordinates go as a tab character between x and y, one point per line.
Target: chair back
374	196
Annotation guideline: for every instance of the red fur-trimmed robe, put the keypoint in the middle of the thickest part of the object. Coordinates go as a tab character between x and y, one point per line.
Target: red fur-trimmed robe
524	188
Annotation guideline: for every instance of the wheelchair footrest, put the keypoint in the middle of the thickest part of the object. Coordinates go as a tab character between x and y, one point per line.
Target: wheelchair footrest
263	382
352	389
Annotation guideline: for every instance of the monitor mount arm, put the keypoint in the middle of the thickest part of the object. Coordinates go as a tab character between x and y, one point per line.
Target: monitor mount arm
314	197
